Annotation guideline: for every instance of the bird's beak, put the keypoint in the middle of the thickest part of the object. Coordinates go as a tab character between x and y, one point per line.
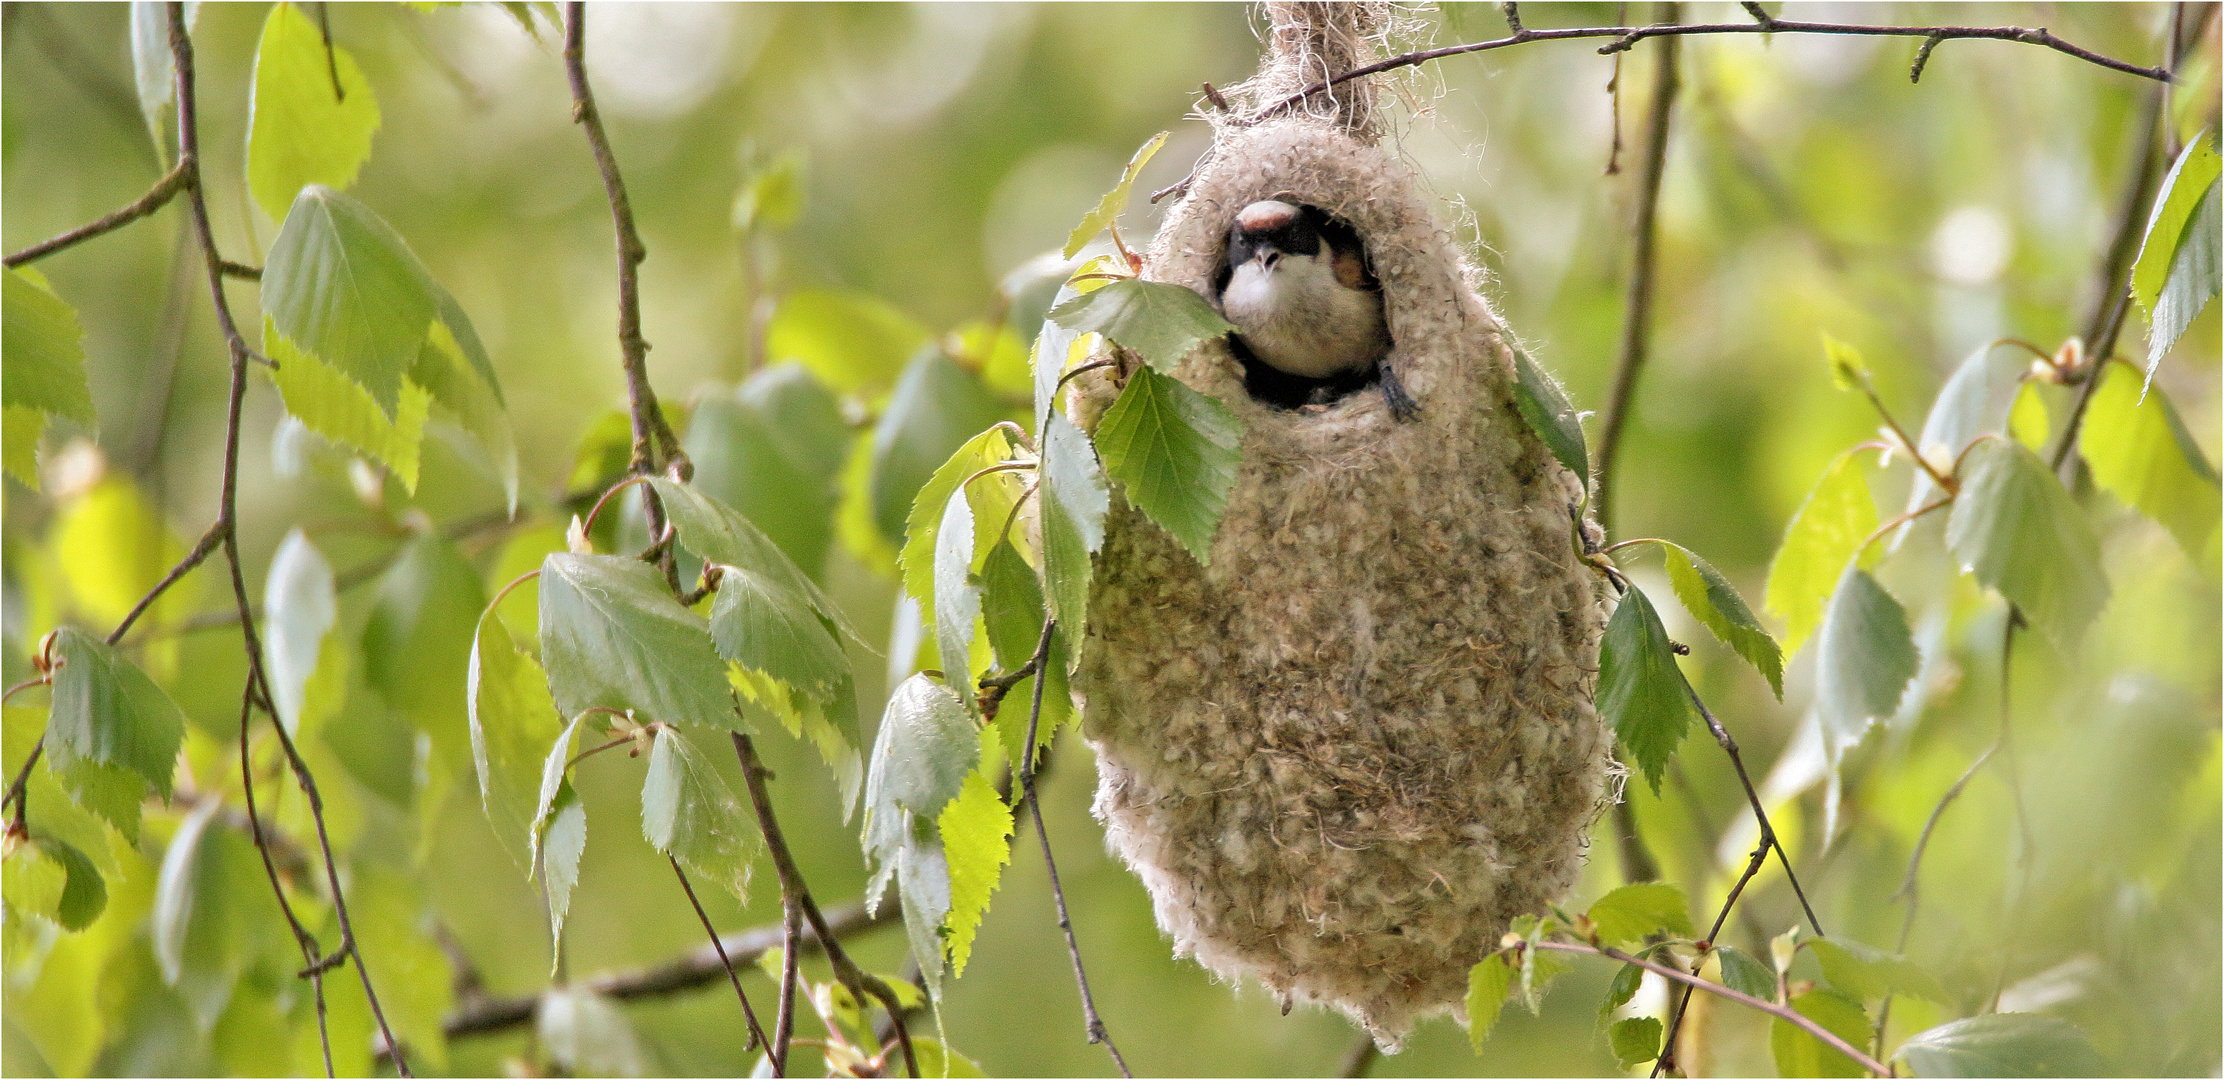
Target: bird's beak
1266	257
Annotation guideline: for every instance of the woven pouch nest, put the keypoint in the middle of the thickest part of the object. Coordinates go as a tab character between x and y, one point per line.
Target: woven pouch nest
1346	751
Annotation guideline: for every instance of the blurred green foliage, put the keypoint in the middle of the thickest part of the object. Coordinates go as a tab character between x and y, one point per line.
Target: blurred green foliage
866	192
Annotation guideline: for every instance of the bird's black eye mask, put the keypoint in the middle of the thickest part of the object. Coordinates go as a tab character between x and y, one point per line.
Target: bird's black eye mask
1280	389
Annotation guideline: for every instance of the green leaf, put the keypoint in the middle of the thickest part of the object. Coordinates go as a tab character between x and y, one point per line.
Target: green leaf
611	636
1847	370
1487	985
20	432
1538	968
771	196
720	534
2170	222
935	1059
1073	498
1544	406
512	718
113	546
976	832
54	881
213	912
2001	1044
1714	601
1161	322
923	876
154	70
689	813
2016	528
957	601
453	367
923	524
559	834
2141	452
1859	971
2027	418
830	728
1621	990
767	628
1175	452
1865	661
300	608
1641	691
937	407
343	286
2194	278
1635	1041
1108	208
417	643
855	343
1632	913
327	402
926	747
773	451
588	1034
42	350
1744	974
388	908
1054	350
1801	1054
1012	608
302	127
1976	400
1819	541
107	712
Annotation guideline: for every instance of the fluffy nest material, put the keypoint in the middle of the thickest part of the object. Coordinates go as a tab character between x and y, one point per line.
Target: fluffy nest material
1344	754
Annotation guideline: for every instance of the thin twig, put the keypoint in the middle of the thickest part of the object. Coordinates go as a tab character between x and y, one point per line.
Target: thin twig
158	196
313	966
1093	1023
860	983
1908	888
791	933
756	1031
189	152
1361	1058
1781	1012
1638	306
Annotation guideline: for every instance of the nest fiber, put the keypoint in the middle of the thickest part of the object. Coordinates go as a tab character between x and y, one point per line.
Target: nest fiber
1346	751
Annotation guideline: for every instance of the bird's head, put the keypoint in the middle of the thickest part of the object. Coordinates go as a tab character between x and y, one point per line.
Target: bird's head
1269	229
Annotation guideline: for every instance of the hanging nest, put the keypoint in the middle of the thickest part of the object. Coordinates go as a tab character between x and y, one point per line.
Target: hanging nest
1344	754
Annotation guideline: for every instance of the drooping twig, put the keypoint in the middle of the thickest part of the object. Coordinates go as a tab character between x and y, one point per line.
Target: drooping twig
696	968
1908	890
155	199
791	933
181	52
756	1031
1093	1023
860	983
1781	1012
1638	305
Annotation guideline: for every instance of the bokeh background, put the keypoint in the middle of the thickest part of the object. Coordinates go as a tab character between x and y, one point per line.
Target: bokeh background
1810	190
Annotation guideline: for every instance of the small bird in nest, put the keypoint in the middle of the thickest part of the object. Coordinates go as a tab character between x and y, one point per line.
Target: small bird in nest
1306	308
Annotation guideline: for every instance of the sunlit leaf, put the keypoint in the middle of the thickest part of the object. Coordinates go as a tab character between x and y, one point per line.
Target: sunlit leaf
613	637
1818	542
1544	407
720	534
1054	351
1975	401
855	343
453	367
559	833
936	408
327	402
1174	452
21	430
2141	452
1161	322
1632	913
1847	369
923	884
926	746
1635	1041
1073	498
772	196
1714	601
311	113
689	813
343	286
1107	210
1798	1053
765	627
588	1034
388	908
1621	990
1641	692
2170	222
113	546
512	719
923	524
53	880
108	712
957	601
1487	985
42	350
1012	608
300	608
2194	277
212	909
1865	658
1860	971
2001	1044
976	832
2015	527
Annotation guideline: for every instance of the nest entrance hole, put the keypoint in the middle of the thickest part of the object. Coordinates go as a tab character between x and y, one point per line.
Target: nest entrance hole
1281	390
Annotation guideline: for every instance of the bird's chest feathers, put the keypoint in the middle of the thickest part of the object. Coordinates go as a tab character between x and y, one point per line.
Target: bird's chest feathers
1300	319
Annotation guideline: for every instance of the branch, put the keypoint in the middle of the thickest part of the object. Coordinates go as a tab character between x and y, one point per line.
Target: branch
158	196
725	961
1093	1024
795	895
1781	1012
696	968
1628	36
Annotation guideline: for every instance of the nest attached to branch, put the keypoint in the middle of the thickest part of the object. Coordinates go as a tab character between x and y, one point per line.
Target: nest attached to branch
1344	754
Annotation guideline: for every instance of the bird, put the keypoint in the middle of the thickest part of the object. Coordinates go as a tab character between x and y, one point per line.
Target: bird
1307	311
